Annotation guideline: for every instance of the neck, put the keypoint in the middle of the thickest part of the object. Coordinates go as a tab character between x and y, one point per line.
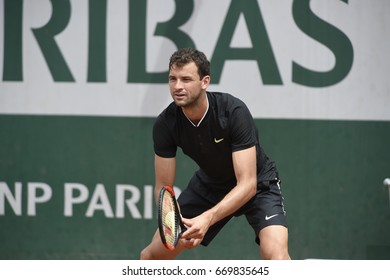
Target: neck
196	113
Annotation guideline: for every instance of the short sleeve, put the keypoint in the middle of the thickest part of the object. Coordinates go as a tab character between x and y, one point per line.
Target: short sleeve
163	140
243	129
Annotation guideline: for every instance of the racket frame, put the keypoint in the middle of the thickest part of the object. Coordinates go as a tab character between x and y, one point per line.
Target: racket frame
179	224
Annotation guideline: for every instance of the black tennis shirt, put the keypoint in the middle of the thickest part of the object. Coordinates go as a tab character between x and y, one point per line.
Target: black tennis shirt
227	127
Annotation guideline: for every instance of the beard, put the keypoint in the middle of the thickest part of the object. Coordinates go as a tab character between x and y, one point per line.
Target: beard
186	100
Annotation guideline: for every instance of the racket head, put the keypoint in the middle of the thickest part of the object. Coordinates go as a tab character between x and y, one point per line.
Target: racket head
168	218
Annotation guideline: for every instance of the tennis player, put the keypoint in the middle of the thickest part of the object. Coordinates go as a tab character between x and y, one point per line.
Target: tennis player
235	176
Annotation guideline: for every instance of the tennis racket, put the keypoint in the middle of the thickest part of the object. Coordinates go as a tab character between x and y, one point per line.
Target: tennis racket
170	224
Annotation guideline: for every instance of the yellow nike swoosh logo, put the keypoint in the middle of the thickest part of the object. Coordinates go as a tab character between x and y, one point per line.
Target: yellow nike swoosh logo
218	140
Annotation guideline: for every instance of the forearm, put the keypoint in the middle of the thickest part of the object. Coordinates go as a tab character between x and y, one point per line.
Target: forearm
245	170
165	172
233	201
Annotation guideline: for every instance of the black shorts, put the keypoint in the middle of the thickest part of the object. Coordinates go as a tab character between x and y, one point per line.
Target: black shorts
264	209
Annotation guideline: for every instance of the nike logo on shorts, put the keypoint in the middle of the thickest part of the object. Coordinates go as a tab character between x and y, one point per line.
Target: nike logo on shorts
270	217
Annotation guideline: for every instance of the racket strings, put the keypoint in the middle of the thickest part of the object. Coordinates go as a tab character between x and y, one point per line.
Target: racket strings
169	220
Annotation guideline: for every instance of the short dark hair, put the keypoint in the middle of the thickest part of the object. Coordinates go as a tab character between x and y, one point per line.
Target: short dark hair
186	55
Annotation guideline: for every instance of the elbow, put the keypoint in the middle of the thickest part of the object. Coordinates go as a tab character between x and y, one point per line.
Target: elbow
248	188
252	188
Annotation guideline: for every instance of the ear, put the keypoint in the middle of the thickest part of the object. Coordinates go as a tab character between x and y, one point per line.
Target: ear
206	81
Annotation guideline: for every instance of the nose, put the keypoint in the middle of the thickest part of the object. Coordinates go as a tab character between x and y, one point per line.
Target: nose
177	85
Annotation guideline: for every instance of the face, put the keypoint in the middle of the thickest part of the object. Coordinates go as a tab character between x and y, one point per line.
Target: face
185	84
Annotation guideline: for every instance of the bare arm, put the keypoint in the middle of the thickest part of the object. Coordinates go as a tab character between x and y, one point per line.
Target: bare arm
165	173
244	163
